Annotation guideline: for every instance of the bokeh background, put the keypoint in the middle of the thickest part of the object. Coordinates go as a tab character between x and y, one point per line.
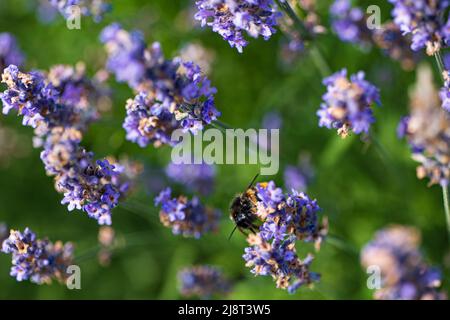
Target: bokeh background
358	187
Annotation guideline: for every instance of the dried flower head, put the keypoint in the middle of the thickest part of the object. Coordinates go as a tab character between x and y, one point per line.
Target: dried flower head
427	130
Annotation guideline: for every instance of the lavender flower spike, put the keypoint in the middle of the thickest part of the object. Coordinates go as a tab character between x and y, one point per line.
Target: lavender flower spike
187	217
203	281
424	20
347	104
231	18
9	51
405	275
39	261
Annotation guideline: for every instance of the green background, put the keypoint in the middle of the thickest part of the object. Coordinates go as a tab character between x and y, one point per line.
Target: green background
360	189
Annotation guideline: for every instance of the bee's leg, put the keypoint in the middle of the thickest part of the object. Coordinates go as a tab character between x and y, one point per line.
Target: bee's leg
242	231
253	228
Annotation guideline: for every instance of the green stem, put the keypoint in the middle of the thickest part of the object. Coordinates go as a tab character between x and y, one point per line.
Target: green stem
314	51
439	63
340	244
320	61
284	4
447	208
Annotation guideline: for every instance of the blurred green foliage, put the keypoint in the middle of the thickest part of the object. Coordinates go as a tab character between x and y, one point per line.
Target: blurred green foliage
360	189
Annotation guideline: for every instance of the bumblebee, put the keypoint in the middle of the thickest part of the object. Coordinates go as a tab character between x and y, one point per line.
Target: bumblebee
243	210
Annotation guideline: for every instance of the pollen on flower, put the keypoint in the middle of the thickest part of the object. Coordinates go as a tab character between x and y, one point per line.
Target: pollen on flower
36	260
170	93
347	105
186	217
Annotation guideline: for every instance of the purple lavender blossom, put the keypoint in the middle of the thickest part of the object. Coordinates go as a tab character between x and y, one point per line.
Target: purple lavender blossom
424	20
347	104
59	107
286	218
4	232
298	177
203	281
171	94
444	93
197	177
231	18
39	261
396	45
94	8
279	260
9	51
349	23
126	54
186	217
405	275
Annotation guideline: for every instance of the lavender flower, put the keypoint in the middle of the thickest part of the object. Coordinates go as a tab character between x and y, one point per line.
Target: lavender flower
59	107
231	18
347	103
427	130
186	217
444	93
279	260
396	45
286	218
92	186
39	261
9	51
197	177
171	94
126	54
405	276
203	281
94	8
424	20
4	232
298	177
349	23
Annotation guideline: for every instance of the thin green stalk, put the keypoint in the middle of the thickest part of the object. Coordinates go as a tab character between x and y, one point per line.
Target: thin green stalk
342	245
447	208
314	51
284	4
320	61
439	63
